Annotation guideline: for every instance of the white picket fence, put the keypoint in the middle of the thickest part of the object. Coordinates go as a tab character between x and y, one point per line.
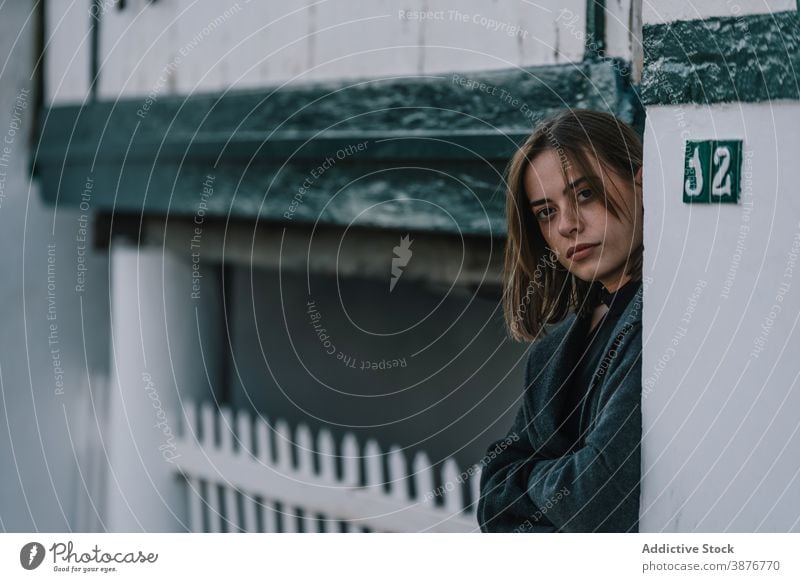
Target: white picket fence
241	476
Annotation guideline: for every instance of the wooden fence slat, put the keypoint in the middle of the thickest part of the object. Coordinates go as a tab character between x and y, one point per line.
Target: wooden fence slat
188	437
350	460
189	428
226	436
304	522
208	418
326	448
207	421
229	516
205	497
475	488
283	447
373	467
398	475
451	487
290	520
305	451
215	503
244	434
270	517
423	479
264	441
232	508
195	505
250	508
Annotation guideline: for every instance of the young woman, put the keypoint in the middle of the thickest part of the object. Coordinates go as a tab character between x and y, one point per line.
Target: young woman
572	286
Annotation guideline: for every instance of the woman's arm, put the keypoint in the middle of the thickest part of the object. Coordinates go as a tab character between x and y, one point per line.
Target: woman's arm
601	478
504	504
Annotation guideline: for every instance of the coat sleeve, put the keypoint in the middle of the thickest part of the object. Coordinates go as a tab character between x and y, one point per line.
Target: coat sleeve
601	479
504	504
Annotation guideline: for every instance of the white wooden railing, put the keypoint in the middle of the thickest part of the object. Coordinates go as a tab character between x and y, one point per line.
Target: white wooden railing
246	480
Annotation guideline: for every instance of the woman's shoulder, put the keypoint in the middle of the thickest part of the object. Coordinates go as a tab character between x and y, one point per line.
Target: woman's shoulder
555	331
552	337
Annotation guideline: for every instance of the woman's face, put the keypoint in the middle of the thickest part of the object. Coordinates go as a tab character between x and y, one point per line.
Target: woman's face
566	224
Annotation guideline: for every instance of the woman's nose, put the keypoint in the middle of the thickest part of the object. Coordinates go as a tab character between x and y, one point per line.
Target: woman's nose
570	221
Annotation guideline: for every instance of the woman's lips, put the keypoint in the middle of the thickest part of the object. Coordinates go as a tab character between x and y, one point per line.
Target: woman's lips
583	253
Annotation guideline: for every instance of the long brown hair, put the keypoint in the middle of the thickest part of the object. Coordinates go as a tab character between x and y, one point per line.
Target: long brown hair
537	289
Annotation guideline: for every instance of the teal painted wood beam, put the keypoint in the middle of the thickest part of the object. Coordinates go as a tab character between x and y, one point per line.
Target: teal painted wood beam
422	153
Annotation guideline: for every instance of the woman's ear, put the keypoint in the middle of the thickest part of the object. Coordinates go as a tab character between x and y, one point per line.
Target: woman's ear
638	176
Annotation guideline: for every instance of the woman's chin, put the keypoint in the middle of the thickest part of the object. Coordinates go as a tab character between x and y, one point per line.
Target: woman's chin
586	273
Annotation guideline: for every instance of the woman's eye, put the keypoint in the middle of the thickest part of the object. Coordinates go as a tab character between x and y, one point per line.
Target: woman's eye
543	214
587	193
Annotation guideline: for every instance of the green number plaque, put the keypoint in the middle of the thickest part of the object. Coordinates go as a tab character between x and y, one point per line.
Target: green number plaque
712	171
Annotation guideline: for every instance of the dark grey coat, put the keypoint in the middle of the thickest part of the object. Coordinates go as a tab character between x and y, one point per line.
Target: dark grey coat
542	481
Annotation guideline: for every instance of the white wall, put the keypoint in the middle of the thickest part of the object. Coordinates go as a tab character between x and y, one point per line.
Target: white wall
183	46
721	448
211	46
51	435
68	46
721	444
165	348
